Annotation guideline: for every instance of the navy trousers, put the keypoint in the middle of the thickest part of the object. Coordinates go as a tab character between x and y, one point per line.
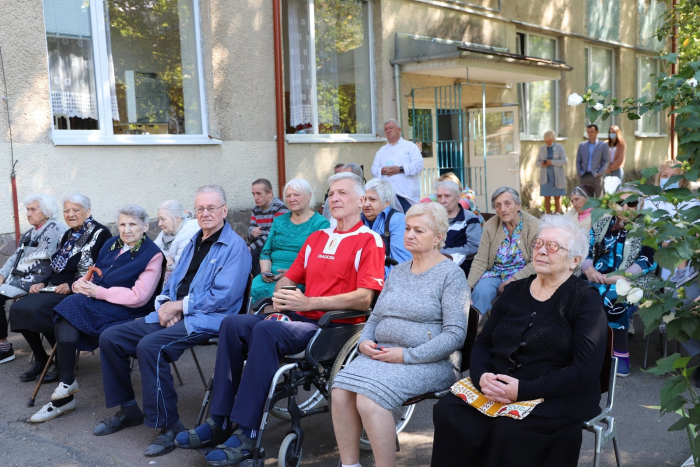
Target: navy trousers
241	393
405	204
154	346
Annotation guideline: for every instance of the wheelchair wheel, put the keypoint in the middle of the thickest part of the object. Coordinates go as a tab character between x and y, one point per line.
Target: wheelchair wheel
347	354
401	415
286	456
305	399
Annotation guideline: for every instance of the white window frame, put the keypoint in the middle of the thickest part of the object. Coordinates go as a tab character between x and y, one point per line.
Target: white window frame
638	130
104	135
340	137
525	90
588	81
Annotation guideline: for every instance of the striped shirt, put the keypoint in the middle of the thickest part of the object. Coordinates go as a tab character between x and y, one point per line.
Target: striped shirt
263	219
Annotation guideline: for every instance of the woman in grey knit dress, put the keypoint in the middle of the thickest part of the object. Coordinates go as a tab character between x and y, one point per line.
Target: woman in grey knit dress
408	346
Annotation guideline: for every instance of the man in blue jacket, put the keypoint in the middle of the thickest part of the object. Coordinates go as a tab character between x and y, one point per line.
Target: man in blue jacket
206	286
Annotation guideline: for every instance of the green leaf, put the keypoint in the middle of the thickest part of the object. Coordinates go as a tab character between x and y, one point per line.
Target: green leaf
593	114
681	363
672	405
593	87
664	365
598	213
667	258
633	116
670	58
649	172
680	424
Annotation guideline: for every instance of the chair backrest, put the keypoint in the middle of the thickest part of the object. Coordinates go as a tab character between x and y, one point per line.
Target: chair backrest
487	215
605	371
472	326
245	304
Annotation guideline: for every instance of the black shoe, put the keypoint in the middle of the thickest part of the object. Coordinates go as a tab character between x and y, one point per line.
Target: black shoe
35	371
7	355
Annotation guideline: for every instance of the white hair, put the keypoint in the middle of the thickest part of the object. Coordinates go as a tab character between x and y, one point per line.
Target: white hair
301	185
359	186
174	209
450	186
135	211
213	189
505	189
394	121
549	134
354	168
437	218
578	241
77	198
47	204
384	190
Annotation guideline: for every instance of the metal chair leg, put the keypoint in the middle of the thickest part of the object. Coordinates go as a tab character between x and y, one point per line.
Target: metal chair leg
177	373
398	445
199	368
618	459
206	402
646	352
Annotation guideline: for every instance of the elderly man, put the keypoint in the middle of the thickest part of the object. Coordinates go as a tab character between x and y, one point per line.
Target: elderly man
400	162
342	268
380	216
207	285
464	233
349	167
267	207
592	160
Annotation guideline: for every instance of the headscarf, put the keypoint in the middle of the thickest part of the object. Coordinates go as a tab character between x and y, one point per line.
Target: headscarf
60	259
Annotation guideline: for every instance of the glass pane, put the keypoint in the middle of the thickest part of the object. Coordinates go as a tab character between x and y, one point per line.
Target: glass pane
71	64
651	17
602	73
541	97
647	88
499	133
297	67
542	47
153	66
343	83
604	19
420	121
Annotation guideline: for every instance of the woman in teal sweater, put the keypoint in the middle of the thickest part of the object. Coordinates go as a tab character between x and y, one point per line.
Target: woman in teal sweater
287	235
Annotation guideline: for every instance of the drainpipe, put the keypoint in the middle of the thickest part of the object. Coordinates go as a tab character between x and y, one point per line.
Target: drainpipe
13	177
279	95
397	84
674	47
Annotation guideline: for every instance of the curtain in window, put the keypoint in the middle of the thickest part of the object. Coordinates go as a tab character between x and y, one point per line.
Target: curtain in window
300	111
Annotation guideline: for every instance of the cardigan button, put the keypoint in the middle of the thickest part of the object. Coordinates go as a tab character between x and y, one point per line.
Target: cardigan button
529	325
523	344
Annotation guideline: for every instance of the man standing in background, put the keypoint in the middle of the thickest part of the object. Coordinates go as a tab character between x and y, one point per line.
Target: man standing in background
592	159
267	207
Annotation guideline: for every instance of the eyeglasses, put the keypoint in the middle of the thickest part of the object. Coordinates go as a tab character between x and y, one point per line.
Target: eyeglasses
550	245
211	209
632	204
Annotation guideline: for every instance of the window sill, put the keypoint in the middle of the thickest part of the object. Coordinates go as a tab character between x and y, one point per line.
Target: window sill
131	140
528	138
650	135
325	139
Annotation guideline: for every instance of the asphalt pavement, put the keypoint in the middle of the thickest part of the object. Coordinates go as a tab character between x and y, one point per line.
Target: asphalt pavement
68	440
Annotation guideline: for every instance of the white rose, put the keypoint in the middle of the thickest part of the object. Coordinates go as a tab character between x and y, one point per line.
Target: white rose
646	304
622	286
599	106
635	295
575	99
692	82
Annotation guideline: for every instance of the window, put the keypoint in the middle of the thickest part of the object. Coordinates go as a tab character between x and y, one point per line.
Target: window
604	19
420	127
600	68
651	18
647	71
538	100
125	71
328	67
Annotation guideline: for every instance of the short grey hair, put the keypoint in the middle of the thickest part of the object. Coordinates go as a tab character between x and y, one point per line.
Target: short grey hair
212	189
359	186
450	186
437	218
47	204
578	241
77	198
299	184
549	134
135	211
505	189
174	209
383	188
354	168
394	121
632	190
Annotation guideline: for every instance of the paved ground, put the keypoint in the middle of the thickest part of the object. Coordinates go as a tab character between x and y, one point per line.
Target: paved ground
68	441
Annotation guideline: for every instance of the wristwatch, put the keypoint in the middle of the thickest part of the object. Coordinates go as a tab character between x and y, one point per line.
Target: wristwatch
401	168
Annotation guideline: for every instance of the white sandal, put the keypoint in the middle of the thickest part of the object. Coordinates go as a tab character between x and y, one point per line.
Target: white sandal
49	412
64	390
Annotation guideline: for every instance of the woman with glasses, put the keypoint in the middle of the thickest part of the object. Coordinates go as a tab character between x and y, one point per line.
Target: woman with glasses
545	340
31	263
611	249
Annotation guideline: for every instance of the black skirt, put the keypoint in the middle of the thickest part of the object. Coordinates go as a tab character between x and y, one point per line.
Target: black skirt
34	312
465	436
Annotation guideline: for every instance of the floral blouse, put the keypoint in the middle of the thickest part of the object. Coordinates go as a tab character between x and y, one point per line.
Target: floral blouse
509	258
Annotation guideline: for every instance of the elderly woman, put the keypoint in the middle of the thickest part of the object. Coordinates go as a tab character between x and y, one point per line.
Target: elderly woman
287	235
578	215
464	233
123	288
408	346
505	251
467	197
31	263
552	159
78	250
379	215
177	228
611	249
545	338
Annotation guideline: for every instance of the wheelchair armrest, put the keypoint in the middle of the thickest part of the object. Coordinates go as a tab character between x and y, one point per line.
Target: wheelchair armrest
340	314
260	303
598	418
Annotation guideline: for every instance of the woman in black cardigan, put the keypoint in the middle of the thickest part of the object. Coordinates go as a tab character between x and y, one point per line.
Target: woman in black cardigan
79	247
545	338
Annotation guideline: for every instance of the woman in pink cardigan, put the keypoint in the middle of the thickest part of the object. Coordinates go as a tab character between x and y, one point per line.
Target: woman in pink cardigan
124	287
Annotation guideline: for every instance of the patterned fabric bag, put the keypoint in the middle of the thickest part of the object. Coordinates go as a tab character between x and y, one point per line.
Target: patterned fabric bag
465	390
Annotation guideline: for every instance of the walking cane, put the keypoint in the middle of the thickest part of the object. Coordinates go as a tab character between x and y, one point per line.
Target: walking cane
30	402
